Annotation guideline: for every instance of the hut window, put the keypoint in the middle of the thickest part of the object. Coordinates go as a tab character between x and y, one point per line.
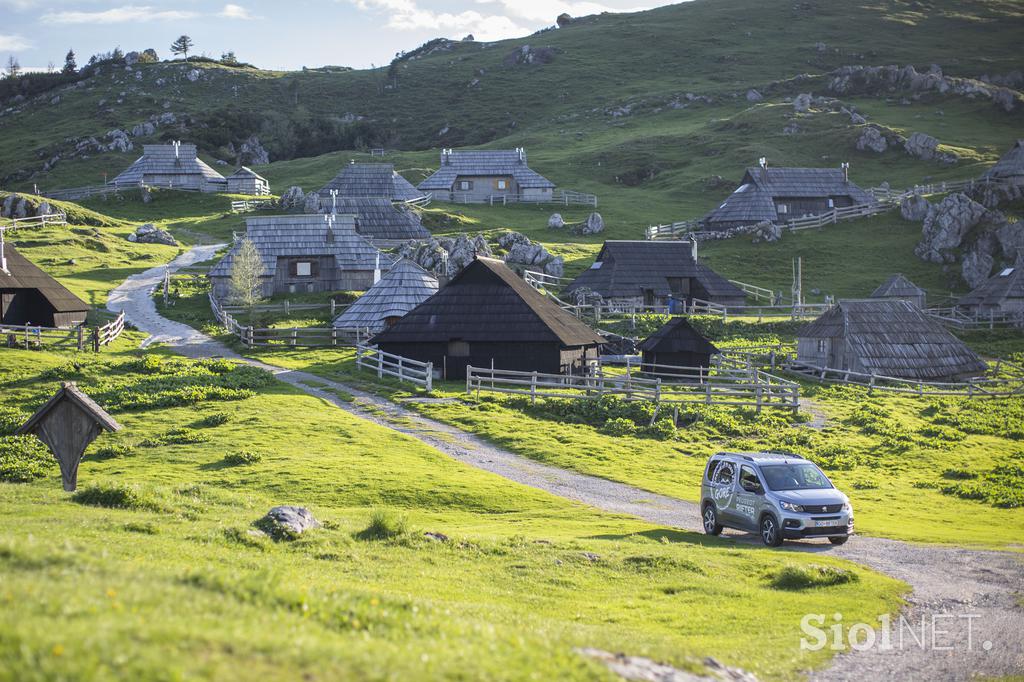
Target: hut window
303	269
458	349
465	185
501	184
822	345
831	203
782	208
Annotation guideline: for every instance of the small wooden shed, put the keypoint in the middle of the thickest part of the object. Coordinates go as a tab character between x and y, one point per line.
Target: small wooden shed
174	165
403	288
676	345
247	181
886	338
1000	294
899	288
1010	167
487	315
30	296
474	176
67	423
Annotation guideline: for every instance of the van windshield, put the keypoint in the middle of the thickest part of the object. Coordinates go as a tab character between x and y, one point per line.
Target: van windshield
802	476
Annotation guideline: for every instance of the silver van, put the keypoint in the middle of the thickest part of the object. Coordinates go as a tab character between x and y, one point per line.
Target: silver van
777	495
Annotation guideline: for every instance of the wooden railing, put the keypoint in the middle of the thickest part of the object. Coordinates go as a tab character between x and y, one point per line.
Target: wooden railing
80	337
565	197
11	224
957	318
286	307
389	364
544	282
897	195
420	202
294	337
671	230
837	214
663	384
976	387
248	205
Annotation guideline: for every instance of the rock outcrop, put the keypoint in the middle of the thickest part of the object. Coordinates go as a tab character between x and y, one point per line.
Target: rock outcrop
293	198
556	222
252	153
754	96
872	139
945	227
915	208
526	255
287	522
802	103
311	204
594	224
151	234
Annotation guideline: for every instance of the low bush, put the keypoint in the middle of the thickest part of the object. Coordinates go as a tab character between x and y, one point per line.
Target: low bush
1001	486
243	458
115	496
794	577
23	459
114	451
11	420
619	426
212	420
183	436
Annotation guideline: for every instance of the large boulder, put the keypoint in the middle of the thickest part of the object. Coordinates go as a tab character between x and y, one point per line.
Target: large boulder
287	522
802	103
945	227
311	204
252	152
143	129
151	234
119	141
293	197
754	96
979	259
44	208
429	255
8	207
594	224
922	146
509	239
21	208
915	208
556	222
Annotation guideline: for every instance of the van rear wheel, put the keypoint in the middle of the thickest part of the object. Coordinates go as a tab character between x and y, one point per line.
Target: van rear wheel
771	534
710	520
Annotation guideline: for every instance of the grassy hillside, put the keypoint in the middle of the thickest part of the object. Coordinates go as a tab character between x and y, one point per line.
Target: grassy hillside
153	570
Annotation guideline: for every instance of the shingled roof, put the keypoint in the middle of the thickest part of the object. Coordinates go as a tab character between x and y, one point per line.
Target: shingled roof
378	218
305	235
754	200
896	339
1008	283
624	269
484	163
1010	165
898	286
22	273
246	172
399	291
378	180
161	159
487	301
678	336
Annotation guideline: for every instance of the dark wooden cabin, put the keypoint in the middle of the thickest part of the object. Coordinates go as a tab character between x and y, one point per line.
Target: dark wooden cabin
488	314
30	296
676	344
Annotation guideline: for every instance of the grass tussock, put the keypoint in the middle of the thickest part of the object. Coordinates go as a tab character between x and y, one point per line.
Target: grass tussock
385	525
243	458
804	577
116	496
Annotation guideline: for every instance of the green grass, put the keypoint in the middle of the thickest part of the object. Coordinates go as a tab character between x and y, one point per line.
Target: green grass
158	574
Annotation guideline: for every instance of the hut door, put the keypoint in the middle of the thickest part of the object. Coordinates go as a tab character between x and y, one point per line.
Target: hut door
648	296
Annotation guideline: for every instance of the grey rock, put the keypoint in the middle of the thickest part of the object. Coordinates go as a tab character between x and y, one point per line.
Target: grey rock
945	227
556	222
44	208
55	100
510	239
194	75
643	669
131	58
754	96
293	197
856	119
252	152
792	128
979	259
555	267
594	224
922	146
20	209
871	139
311	204
8	206
287	522
820	46
802	103
166	118
915	208
143	129
151	234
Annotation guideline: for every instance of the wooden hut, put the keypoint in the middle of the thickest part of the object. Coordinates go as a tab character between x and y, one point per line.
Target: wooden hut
676	344
1010	167
899	288
370	180
380	220
776	195
247	181
30	296
174	165
403	288
1001	294
487	315
654	273
479	176
305	253
886	338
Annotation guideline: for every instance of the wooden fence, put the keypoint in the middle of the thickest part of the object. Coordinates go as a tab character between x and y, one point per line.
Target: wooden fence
980	387
248	205
671	230
286	307
421	202
11	224
955	318
564	197
389	364
293	337
664	384
836	214
78	338
895	196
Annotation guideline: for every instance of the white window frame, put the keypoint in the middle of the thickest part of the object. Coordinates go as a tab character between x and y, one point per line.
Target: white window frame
822	346
304	269
501	184
465	185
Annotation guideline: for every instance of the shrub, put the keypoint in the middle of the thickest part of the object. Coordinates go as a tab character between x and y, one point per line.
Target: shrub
384	525
183	436
114	451
663	429
24	458
793	577
619	426
11	420
212	420
243	457
115	496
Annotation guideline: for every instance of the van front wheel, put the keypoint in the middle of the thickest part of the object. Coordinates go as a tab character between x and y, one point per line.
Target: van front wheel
771	534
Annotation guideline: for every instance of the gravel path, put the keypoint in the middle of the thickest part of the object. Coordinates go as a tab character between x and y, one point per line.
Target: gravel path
963	599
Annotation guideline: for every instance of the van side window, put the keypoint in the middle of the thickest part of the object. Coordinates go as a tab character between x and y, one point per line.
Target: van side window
710	471
724	473
749	479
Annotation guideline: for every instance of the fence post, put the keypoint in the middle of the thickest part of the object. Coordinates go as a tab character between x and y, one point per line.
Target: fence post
95	340
657	391
81	338
286	307
334	332
250	342
332	307
533	387
295	333
430	376
469	381
757	394
380	364
400	377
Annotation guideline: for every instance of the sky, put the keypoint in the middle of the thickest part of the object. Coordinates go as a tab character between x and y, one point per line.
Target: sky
273	34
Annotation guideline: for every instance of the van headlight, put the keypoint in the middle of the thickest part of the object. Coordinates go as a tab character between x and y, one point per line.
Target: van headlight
847	507
789	506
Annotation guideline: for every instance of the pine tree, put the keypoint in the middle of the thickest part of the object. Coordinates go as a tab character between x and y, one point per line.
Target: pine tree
245	287
70	65
181	46
229	58
13	67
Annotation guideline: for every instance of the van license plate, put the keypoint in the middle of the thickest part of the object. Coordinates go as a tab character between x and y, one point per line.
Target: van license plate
828	522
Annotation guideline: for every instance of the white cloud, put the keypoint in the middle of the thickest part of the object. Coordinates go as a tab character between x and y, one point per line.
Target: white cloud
406	15
118	15
235	12
14	42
